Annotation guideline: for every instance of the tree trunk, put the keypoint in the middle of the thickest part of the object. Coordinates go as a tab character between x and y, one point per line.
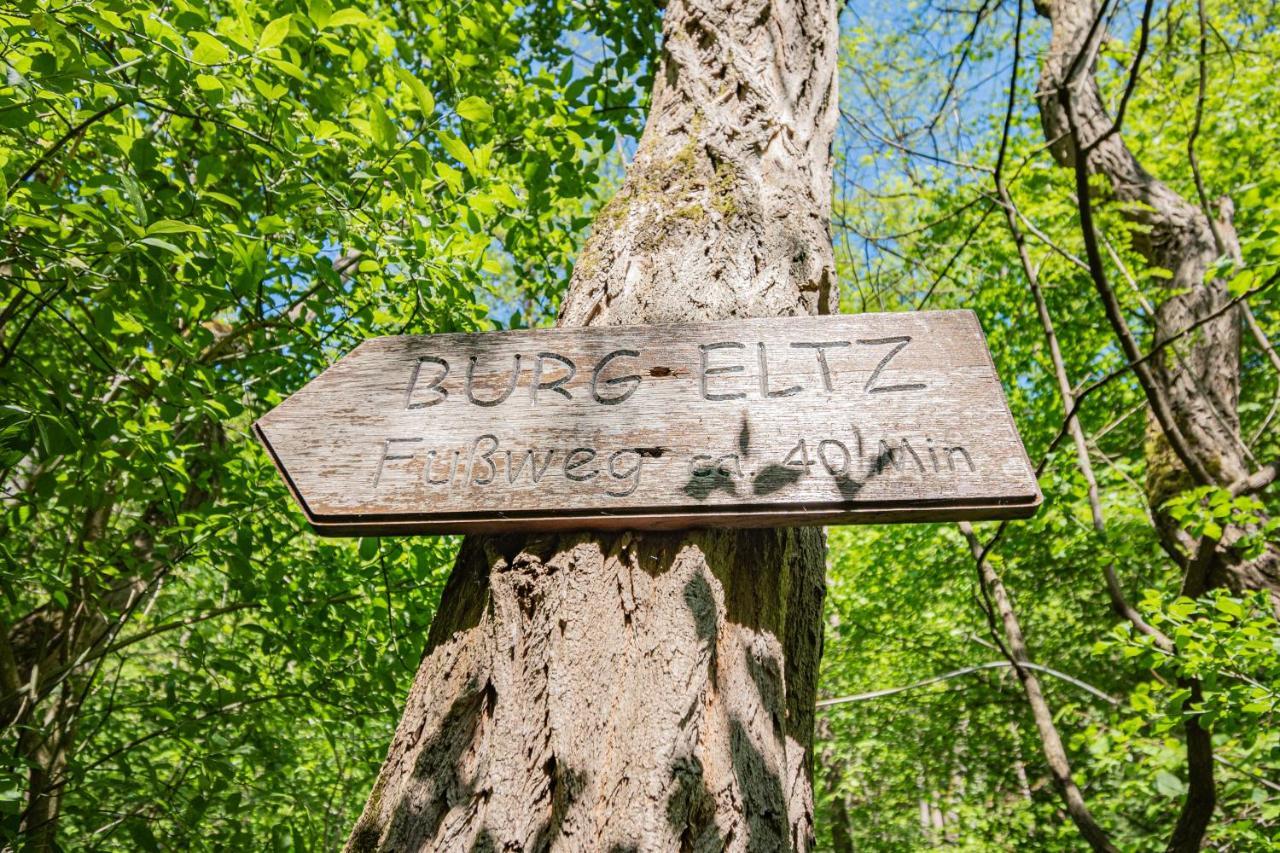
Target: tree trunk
833	770
633	691
46	749
1200	374
1055	752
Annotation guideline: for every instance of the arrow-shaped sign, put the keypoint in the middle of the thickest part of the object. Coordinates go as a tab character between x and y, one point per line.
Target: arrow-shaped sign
749	423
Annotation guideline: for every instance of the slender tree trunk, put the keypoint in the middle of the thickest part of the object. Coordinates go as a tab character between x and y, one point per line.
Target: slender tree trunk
833	770
46	748
650	692
49	657
1055	752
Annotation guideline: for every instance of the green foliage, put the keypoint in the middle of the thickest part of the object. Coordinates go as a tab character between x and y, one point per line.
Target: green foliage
204	205
1205	511
1232	646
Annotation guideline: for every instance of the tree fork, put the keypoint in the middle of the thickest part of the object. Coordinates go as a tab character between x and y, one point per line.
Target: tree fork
628	691
1193	388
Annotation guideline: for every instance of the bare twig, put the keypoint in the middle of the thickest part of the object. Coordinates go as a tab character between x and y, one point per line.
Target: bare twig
1260	337
968	670
1144	34
1218	240
1115	592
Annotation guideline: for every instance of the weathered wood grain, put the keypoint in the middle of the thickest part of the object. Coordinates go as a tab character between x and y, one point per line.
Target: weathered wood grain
814	420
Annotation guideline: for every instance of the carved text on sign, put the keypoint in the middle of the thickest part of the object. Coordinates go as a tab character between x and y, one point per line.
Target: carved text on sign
797	420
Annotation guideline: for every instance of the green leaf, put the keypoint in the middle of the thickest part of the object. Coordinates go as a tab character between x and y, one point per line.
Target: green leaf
208	50
475	109
506	195
274	33
319	11
457	150
1229	606
451	176
127	324
289	68
426	101
222	197
134	192
173	226
346	17
269	91
161	244
1242	283
1169	785
384	132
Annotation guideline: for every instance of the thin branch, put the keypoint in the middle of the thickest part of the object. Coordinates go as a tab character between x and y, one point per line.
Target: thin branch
956	673
171	626
864	128
230	707
63	140
946	270
1260	337
1132	83
1157	348
1115	592
1013	95
1127	275
1257	481
1257	777
954	76
1120	371
1160	405
1201	44
1040	235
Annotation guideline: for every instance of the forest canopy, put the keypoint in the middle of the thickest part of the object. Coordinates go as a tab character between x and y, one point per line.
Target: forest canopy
205	204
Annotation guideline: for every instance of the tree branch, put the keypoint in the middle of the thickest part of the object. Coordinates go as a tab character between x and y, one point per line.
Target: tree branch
1201	45
1115	592
1132	83
968	670
1156	396
63	140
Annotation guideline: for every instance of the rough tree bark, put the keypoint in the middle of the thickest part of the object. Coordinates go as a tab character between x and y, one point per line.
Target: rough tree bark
1199	376
655	692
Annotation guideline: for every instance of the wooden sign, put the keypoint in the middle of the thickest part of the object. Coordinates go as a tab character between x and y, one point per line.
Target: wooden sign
749	423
